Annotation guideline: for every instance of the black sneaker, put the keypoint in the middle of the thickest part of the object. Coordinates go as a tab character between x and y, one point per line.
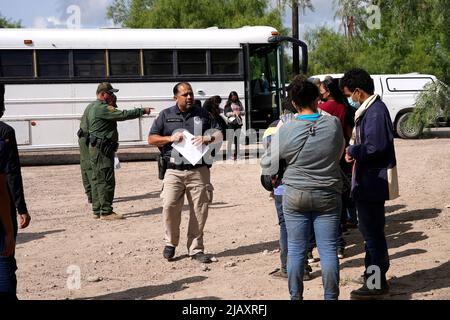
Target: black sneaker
310	257
307	273
201	257
364	293
169	252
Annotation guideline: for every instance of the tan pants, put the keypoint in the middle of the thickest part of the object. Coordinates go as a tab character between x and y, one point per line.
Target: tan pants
196	185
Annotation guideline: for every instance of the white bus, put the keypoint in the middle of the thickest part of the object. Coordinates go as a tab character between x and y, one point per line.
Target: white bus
51	75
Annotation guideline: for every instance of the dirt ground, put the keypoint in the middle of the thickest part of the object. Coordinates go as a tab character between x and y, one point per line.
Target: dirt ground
123	259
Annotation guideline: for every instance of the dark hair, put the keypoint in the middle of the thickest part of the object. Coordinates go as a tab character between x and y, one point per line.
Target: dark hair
357	78
208	105
216	100
303	92
178	85
332	86
232	93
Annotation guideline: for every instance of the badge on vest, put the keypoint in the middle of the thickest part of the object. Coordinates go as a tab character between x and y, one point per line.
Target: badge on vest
197	121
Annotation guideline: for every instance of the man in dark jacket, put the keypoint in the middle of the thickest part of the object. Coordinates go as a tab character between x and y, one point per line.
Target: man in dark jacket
372	152
14	181
14	176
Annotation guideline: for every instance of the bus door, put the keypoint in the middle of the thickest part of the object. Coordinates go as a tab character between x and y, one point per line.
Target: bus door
264	84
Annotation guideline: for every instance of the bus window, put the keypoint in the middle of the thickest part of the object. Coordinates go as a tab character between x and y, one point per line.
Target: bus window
53	63
191	62
89	63
158	62
124	62
16	63
225	61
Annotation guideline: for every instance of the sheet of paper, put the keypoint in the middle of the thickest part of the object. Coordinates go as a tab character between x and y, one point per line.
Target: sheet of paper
191	153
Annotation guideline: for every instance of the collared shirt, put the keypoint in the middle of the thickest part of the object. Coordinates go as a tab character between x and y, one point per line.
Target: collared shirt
196	121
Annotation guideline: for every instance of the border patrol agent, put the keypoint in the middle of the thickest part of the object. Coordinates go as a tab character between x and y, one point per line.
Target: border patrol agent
182	177
103	143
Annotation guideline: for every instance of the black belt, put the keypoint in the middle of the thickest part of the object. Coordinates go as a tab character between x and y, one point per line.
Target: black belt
183	166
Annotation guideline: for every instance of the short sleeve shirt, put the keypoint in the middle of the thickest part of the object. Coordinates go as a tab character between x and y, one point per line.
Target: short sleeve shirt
3	156
196	121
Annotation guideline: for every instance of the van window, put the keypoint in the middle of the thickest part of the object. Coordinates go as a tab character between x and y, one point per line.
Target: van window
407	84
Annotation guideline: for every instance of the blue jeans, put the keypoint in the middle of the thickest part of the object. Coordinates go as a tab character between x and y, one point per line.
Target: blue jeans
371	218
302	211
283	232
8	266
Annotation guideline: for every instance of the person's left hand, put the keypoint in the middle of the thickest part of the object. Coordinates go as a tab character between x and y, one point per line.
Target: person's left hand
24	220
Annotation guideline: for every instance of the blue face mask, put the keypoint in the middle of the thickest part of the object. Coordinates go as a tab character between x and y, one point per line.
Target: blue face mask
353	104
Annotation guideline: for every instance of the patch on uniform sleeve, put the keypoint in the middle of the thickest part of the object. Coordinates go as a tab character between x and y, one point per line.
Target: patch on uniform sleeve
111	108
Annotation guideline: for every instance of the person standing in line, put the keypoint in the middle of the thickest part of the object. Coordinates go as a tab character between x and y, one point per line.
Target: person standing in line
103	143
311	145
183	178
372	152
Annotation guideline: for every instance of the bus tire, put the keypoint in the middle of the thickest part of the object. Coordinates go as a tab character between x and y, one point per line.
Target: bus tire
406	131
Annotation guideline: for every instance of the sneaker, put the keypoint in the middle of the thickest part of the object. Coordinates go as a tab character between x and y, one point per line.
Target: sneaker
201	257
96	216
112	216
168	252
364	293
340	253
310	257
279	273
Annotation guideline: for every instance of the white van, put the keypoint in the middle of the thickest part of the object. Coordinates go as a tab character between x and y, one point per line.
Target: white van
399	93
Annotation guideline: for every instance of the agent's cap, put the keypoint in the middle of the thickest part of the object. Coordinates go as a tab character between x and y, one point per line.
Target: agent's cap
106	87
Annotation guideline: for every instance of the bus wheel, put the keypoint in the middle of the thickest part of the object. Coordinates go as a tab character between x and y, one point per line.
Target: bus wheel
407	131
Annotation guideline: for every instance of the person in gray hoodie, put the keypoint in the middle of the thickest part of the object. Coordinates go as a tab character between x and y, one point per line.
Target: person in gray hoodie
311	145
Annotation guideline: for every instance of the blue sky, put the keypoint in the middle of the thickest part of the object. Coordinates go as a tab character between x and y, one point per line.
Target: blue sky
52	13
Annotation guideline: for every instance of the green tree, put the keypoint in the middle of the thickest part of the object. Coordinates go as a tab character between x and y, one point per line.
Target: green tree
432	105
7	23
194	14
414	36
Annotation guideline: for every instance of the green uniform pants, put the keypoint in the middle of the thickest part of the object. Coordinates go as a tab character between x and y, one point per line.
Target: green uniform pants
86	169
103	181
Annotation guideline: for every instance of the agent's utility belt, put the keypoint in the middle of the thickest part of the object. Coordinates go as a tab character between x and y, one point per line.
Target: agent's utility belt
82	134
106	146
183	166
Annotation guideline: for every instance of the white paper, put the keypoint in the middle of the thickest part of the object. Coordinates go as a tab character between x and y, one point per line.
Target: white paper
116	162
191	153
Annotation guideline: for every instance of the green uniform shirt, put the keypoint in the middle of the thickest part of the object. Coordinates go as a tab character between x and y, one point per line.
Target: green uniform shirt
84	122
103	120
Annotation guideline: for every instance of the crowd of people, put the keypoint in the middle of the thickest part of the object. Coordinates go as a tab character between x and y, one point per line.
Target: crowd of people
327	161
340	132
